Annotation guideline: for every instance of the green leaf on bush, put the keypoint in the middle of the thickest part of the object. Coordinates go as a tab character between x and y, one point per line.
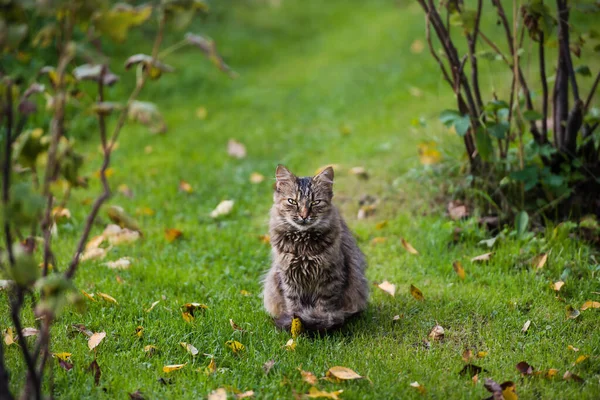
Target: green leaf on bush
115	23
583	70
449	116
554	180
462	124
528	175
496	105
498	130
484	144
532	115
521	222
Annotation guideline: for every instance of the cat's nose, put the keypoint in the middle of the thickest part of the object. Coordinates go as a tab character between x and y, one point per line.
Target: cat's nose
304	213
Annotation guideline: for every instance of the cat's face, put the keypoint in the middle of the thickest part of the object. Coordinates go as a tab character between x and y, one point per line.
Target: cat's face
303	202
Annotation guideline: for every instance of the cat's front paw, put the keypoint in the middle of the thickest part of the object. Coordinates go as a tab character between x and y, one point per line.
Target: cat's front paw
283	322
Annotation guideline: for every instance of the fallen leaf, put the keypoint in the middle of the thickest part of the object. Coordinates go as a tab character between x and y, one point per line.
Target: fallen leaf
107	297
360	172
396	318
388	287
219	394
557	285
94	368
95	242
173	367
458	268
235	346
255	177
89	296
475	379
575	349
211	368
235	326
308	377
467	355
245	395
189	348
538	262
268	365
416	293
315	393
526	326
590	304
124	236
551	373
508	391
290	344
62	356
471	370
568	376
120	217
436	333
172	234
192	307
67	366
236	149
296	327
223	208
366	211
201	113
26	332
139	331
342	373
524	368
378	240
9	337
187	317
125	190
185	187
82	329
121	263
418	386
95	339
581	359
381	225
245	293
408	246
571	312
482	354
137	395
428	153
150	349
93	254
457	210
483	257
153	305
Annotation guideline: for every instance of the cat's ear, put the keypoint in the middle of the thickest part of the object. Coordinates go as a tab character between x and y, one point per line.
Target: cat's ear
325	176
283	176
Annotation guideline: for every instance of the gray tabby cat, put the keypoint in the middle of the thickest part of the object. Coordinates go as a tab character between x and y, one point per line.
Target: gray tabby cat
318	271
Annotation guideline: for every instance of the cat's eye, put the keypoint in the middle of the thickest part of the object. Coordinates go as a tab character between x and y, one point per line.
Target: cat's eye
293	202
315	203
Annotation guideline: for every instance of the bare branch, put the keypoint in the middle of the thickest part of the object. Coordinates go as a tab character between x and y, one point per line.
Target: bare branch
432	50
6	169
472	39
544	86
588	102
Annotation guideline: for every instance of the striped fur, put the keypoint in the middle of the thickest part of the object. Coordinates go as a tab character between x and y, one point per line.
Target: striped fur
318	271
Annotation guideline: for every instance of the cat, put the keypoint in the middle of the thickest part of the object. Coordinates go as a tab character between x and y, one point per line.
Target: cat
318	271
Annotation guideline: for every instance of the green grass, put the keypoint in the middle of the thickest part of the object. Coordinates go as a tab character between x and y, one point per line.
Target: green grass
307	68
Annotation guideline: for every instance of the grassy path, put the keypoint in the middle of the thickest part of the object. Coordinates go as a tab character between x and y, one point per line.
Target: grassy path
307	69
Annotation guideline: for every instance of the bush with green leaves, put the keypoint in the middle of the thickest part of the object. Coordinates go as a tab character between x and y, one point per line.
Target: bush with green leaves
53	75
532	141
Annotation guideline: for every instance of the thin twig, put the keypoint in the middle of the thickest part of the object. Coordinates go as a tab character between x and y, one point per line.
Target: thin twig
544	86
472	39
432	49
588	102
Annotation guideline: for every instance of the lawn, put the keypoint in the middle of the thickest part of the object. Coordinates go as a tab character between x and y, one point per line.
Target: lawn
320	83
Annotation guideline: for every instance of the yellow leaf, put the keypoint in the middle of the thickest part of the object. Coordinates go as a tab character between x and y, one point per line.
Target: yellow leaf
235	326
144	211
60	213
482	257
174	367
482	354
572	348
388	287
185	187
89	296
416	293
95	339
245	395
139	331
211	368
150	349
219	394
95	242
308	377
408	246
172	234
581	359
255	177
191	307
378	240
189	348
458	268
342	373
428	154
201	113
381	225
436	333
296	328
557	285
235	346
539	261
508	393
223	208
315	393
245	293
236	149
107	297
418	386
62	356
187	317
291	344
153	305
590	304
9	337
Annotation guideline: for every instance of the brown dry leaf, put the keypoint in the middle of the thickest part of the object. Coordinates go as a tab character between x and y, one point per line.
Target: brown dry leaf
457	210
150	349
482	354
590	304
475	379
571	312
268	365
235	346
173	367
417	46
315	393
342	373
526	326
458	268
266	239
211	368
125	190
172	234
9	337
524	368
308	377
62	356
256	177
467	355
94	368
187	317
378	240
418	386
290	344
538	262
471	370
416	293
121	263
139	331
81	328
360	172
381	225
89	296
568	376
235	326
201	113
575	349
95	339
581	359
296	328
236	149
60	214
185	187
223	208
189	348
124	236
245	395
153	305
437	333
137	395
95	242
192	307
483	257
388	287
107	297
428	154
26	332
94	254
408	246
557	285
